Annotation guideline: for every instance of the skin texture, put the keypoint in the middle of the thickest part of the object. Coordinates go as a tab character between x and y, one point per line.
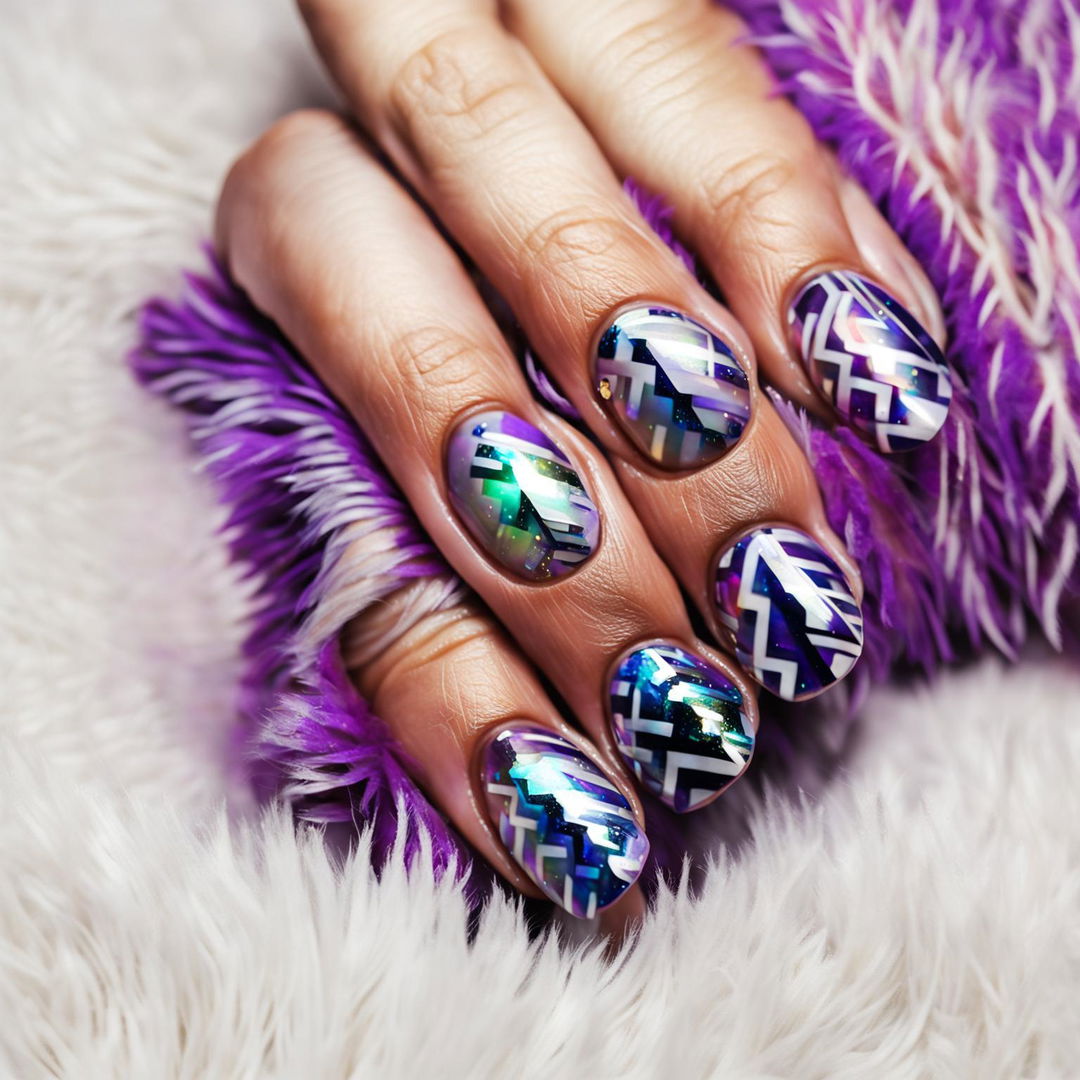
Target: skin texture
515	134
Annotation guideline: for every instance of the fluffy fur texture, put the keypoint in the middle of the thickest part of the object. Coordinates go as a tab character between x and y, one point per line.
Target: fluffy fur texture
910	916
912	920
962	120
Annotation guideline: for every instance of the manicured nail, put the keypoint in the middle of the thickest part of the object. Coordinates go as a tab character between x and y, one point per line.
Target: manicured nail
681	724
675	387
520	497
795	625
880	369
565	823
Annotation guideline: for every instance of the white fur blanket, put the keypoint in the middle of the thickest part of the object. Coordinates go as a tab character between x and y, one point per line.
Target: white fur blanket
916	918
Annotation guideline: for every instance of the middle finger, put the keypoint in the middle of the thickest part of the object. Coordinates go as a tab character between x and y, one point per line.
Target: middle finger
661	373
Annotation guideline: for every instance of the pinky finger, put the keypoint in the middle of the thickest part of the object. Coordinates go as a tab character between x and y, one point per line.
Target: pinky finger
529	793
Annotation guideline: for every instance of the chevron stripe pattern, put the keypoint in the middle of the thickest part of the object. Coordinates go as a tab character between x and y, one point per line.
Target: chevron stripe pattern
872	359
681	724
794	623
520	497
568	827
675	387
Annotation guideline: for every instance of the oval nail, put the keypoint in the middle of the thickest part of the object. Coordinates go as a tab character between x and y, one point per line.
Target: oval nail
520	497
871	359
564	822
795	625
681	724
676	389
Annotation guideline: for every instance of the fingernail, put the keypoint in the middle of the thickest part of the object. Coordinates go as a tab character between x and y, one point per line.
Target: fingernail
869	356
794	623
681	724
564	822
520	497
676	389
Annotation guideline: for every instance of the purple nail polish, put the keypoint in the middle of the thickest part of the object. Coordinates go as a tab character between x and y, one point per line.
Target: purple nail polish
520	497
564	822
681	724
794	622
874	362
675	388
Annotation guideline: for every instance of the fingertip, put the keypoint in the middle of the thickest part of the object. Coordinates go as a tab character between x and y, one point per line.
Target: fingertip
621	921
887	258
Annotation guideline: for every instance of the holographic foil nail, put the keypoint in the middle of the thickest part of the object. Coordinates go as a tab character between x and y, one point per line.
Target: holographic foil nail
794	623
675	387
869	356
681	724
520	497
565	823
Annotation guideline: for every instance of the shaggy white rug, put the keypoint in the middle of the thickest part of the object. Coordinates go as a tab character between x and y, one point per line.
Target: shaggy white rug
917	917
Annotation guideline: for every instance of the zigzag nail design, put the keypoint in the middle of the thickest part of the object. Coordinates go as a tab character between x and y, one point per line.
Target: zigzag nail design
681	724
520	497
568	827
676	388
872	359
795	625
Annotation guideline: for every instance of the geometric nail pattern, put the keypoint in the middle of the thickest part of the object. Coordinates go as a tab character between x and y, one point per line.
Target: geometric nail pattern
568	827
872	359
681	725
795	625
676	388
520	497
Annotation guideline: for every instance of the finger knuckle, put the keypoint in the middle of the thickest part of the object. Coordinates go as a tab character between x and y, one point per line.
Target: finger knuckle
434	359
430	625
739	194
571	242
653	35
457	79
283	142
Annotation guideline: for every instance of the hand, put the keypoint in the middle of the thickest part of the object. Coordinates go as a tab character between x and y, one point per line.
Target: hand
573	550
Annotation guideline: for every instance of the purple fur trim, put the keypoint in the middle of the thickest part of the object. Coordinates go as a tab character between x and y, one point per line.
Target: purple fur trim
301	482
657	215
545	389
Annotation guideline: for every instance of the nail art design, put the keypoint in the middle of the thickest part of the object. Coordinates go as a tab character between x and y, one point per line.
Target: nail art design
571	830
681	724
870	357
675	387
795	625
520	497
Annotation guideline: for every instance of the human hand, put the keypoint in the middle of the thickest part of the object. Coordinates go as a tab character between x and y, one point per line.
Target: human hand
572	549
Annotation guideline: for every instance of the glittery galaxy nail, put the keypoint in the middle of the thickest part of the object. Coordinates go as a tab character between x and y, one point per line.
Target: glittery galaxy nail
568	827
675	387
794	623
681	724
520	497
881	371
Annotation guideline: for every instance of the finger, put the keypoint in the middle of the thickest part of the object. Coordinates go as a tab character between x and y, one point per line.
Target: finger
523	788
336	252
812	271
520	183
522	186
